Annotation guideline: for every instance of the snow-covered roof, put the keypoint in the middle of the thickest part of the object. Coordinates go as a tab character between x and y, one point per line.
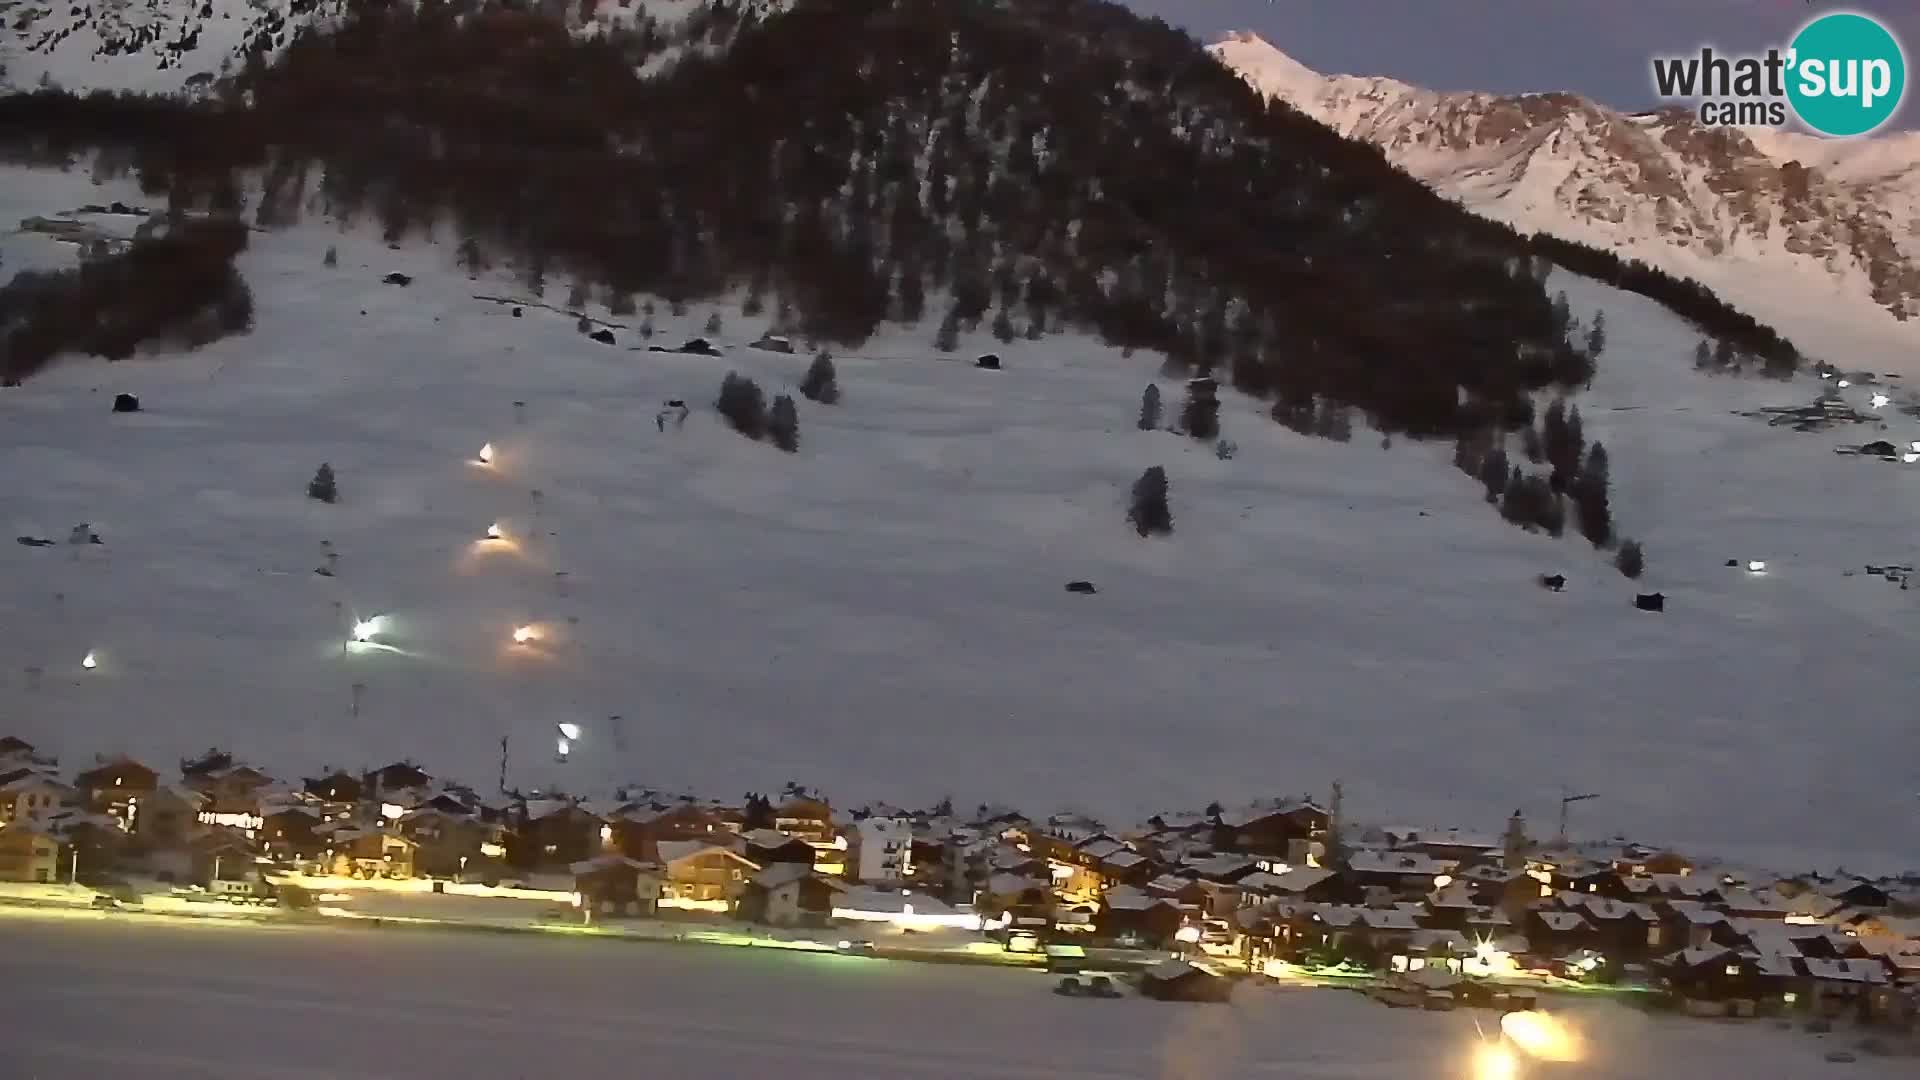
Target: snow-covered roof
1853	971
1170	883
1407	836
1455	895
1408	863
1127	898
1385	919
892	901
1100	848
769	838
1171	969
673	851
1693	958
1561	922
1434	939
1217	866
607	862
1299	879
1123	859
1012	884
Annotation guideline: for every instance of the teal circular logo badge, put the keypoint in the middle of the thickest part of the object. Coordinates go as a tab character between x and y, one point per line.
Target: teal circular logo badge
1847	74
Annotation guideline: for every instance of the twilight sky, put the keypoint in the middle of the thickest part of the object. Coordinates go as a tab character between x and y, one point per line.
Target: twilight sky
1600	48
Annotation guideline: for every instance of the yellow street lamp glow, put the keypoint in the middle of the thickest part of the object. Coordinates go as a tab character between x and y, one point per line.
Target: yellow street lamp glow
524	634
494	532
486	454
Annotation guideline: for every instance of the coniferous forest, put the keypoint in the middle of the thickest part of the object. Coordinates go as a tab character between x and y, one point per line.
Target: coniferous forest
1026	167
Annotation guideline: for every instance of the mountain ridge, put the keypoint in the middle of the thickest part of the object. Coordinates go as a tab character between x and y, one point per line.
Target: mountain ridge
1764	217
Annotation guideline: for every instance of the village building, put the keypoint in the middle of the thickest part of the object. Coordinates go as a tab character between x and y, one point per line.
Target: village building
555	833
29	795
612	885
28	854
1130	916
699	873
764	847
640	826
116	787
789	894
880	850
808	818
367	851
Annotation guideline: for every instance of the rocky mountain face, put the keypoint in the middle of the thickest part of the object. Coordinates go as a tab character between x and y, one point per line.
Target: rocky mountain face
1768	218
172	46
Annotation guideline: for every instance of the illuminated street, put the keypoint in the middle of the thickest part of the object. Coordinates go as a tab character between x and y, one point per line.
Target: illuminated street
92	994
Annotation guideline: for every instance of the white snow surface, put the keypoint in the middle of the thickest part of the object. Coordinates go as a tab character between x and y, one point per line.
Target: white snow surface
1642	187
882	615
204	1002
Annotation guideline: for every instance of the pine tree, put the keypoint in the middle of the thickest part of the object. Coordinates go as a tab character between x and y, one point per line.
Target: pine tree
577	296
1562	315
322	486
1590	498
1201	414
743	404
783	424
331	259
1703	355
1493	473
1723	356
947	338
1149	408
1003	327
1597	336
1631	561
1149	512
821	382
1530	444
713	324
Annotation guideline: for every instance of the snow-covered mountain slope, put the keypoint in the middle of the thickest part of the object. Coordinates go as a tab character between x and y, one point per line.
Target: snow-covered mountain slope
1819	238
882	614
170	46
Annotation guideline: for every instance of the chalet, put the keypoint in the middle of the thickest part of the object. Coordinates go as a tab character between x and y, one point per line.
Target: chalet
1016	896
114	787
399	777
1291	832
1859	893
1688	924
703	873
168	816
222	854
1317	885
1128	914
1557	933
789	894
556	832
13	748
639	827
1452	844
764	847
1717	974
808	818
1450	908
612	884
28	795
1754	904
368	852
287	832
451	844
335	787
28	853
1177	980
1407	873
233	789
1623	932
1181	890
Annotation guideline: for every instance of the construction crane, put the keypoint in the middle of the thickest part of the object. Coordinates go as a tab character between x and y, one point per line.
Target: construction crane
1567	800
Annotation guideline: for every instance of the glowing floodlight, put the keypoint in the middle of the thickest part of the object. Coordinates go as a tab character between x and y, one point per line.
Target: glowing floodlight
1914	446
560	752
1187	934
1542	1035
1491	1061
494	532
486	454
1756	566
365	629
1880	400
524	634
1843	384
89	663
1911	456
570	731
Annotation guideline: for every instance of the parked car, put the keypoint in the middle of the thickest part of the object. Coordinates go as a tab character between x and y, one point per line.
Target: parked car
106	903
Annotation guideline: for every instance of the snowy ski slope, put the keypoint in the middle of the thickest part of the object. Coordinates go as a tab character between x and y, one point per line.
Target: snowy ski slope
882	614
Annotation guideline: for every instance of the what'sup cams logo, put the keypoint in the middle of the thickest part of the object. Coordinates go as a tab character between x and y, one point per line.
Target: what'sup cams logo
1844	74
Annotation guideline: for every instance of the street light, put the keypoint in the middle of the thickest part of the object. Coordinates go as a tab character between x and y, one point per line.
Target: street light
89	663
494	532
524	634
486	454
365	629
